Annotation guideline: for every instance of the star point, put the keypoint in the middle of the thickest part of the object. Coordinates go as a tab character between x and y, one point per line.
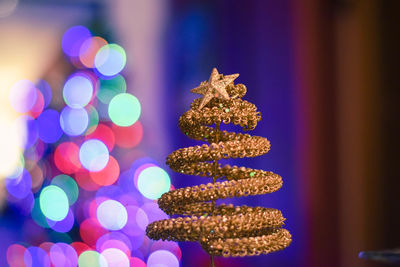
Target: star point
215	87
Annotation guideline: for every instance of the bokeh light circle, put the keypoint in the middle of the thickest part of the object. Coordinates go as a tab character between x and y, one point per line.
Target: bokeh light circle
37	215
90	231
18	168
112	215
153	182
63	255
63	226
35	257
128	137
115	239
23	95
66	157
91	258
74	121
110	60
110	88
15	255
94	155
38	106
162	258
19	186
78	91
137	262
73	39
124	109
104	134
167	245
137	221
115	257
80	247
108	175
49	126
69	186
46	91
82	177
54	203
32	132
89	49
93	119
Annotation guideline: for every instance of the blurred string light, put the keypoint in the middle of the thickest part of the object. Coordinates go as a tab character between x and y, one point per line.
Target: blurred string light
71	172
23	96
110	60
94	155
124	109
62	254
92	258
68	185
89	49
93	119
46	91
163	258
49	127
115	257
112	215
73	39
110	88
153	182
54	203
78	91
74	121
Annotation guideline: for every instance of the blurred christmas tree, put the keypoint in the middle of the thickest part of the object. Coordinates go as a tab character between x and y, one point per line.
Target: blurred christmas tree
83	188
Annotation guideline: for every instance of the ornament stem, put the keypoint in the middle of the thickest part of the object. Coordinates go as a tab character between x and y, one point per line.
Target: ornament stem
217	131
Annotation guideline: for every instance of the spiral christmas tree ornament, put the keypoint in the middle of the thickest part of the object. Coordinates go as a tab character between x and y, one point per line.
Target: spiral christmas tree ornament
222	230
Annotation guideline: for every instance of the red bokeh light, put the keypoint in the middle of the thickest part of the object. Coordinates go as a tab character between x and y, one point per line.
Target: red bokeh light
108	175
91	230
104	134
80	247
66	157
84	181
128	137
37	108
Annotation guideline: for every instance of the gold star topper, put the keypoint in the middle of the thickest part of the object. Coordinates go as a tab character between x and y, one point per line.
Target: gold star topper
215	87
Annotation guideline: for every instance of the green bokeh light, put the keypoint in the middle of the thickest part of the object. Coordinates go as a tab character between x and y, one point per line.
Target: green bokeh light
54	203
110	88
93	119
153	182
91	258
69	186
124	109
37	215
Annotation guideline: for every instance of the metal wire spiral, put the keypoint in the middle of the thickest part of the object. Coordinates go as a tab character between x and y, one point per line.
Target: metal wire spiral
223	230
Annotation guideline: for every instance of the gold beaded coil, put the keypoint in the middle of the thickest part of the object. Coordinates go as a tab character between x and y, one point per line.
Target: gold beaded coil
223	230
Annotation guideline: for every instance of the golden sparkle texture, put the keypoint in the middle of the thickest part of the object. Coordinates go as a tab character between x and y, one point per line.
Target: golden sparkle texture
222	230
215	87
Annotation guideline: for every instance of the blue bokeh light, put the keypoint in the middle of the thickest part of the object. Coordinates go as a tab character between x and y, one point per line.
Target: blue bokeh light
74	121
78	91
49	126
94	155
73	39
110	60
112	215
